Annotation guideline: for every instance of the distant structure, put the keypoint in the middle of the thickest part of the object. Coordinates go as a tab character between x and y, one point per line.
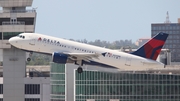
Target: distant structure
141	41
178	20
173	41
167	18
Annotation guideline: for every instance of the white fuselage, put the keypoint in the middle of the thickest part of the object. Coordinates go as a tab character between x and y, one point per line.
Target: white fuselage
121	60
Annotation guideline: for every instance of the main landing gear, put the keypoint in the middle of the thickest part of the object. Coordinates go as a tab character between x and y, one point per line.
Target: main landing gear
28	59
30	55
80	69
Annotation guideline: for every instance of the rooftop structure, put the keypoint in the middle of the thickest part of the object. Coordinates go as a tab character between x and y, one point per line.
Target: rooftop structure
173	40
167	18
15	3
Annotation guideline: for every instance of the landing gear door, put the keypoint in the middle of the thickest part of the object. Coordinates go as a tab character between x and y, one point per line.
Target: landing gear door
128	61
32	40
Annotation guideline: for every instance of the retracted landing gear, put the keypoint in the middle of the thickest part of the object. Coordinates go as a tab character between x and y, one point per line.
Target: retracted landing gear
80	69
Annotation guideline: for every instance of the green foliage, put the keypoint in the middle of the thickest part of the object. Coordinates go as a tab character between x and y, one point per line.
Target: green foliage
39	59
113	45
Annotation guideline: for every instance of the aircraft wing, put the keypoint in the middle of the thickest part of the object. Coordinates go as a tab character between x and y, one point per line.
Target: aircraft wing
82	56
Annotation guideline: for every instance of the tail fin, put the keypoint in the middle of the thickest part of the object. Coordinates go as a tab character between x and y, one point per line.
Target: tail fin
152	48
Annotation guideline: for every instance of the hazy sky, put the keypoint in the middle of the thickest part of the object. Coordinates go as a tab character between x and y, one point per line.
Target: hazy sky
108	20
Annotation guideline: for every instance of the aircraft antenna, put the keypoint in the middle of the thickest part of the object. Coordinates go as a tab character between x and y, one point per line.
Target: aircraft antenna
167	18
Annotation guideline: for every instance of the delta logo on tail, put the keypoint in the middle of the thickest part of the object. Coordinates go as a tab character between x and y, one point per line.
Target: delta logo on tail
153	47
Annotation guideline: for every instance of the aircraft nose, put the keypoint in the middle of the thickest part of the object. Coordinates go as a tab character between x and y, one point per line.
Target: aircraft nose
12	41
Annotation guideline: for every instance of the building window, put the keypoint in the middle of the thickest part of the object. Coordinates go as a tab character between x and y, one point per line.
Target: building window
57	68
174	27
32	99
177	36
58	89
178	32
167	27
154	32
4	20
163	28
8	35
28	21
153	27
1	89
170	32
32	88
0	35
170	27
170	46
170	36
159	27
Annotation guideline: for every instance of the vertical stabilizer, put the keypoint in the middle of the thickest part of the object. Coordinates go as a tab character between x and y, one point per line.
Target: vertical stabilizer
152	48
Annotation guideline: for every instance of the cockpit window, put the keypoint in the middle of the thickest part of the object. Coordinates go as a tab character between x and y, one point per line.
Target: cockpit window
21	36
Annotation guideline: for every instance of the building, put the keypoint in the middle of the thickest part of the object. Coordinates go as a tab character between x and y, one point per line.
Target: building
101	84
36	85
173	41
17	84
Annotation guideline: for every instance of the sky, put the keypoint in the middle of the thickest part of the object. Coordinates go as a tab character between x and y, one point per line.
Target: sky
107	20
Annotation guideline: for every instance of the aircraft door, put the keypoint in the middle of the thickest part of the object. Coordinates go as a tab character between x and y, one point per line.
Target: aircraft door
32	40
128	61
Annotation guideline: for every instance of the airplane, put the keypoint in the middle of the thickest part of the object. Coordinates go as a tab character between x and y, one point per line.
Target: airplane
66	51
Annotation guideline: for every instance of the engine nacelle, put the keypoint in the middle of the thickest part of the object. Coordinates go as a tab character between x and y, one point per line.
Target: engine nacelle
59	58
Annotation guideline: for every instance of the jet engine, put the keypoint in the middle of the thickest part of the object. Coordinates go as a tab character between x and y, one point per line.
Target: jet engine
59	58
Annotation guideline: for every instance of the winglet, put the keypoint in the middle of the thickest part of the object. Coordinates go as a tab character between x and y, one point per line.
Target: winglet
152	48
